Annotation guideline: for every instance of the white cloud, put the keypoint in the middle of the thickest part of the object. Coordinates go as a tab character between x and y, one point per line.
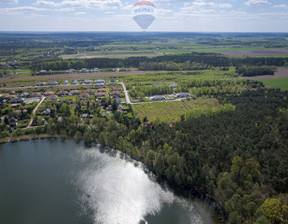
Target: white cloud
91	4
80	13
280	6
9	1
225	5
256	2
202	3
19	10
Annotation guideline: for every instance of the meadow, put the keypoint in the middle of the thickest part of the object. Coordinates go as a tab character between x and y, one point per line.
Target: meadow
173	111
281	83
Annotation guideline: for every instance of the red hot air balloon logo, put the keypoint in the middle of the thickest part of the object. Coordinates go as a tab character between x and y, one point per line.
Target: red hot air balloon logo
144	11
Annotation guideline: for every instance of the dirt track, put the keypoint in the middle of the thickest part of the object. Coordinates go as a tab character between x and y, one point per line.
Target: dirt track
266	52
280	73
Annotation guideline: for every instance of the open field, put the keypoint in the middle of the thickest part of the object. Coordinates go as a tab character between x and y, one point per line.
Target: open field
113	54
264	52
281	83
280	73
32	80
172	111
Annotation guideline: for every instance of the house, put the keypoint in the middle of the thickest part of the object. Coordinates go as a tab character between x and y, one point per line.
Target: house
173	85
115	93
84	95
41	83
117	89
183	95
85	70
87	82
112	80
95	69
75	82
10	96
65	82
24	95
62	93
100	94
35	95
42	71
25	111
149	85
157	98
48	93
47	112
52	83
74	92
15	105
101	90
17	100
90	91
71	70
13	122
118	100
52	97
99	82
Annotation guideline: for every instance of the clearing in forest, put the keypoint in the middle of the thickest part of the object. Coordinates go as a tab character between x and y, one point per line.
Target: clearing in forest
172	111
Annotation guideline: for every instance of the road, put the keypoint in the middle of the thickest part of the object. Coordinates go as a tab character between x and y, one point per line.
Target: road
127	98
34	111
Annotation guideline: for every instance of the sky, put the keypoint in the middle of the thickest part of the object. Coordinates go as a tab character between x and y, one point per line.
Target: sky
171	15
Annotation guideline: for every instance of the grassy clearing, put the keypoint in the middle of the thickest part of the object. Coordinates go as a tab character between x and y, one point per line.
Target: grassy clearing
281	83
172	111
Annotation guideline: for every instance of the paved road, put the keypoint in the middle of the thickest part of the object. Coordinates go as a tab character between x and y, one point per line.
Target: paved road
34	111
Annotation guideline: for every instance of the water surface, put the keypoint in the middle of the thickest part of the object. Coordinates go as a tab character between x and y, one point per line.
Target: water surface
52	181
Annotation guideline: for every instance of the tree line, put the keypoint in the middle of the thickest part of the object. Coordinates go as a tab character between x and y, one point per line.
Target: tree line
168	62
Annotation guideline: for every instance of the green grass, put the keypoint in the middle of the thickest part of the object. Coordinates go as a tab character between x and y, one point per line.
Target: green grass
281	83
172	111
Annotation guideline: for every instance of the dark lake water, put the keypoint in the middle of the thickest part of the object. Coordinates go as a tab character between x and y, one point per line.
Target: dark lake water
52	181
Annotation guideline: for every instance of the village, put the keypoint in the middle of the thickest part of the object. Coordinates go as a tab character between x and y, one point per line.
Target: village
26	109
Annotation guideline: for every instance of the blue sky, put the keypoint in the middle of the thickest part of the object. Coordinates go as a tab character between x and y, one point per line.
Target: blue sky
171	15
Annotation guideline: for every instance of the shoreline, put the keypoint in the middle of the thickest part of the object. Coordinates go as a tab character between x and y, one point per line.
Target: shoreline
187	191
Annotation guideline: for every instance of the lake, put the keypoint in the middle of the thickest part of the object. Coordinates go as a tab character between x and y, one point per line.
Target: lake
56	181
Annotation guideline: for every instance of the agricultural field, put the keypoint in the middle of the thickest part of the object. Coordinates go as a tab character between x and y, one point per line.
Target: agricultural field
281	83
